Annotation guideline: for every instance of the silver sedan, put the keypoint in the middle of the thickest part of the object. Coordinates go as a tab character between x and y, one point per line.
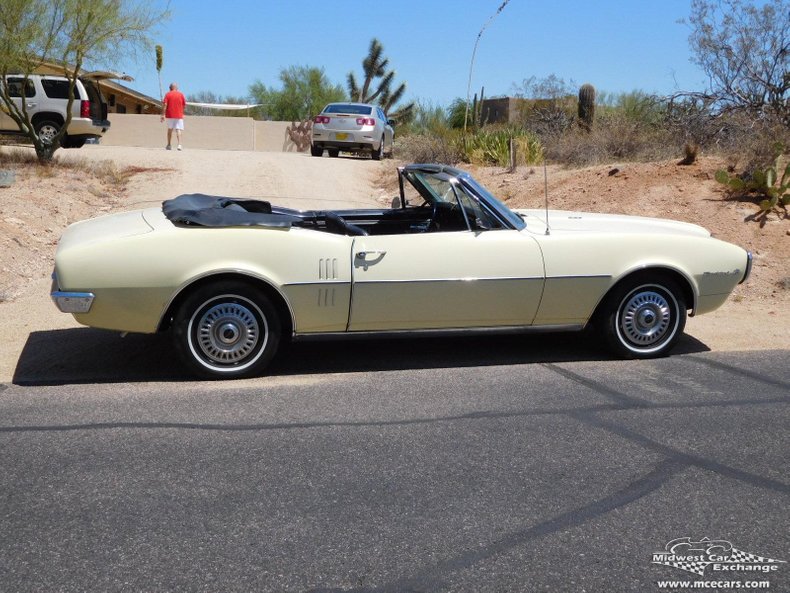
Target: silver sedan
352	127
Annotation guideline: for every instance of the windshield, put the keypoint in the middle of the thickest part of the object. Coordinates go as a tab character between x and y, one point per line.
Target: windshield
495	204
439	186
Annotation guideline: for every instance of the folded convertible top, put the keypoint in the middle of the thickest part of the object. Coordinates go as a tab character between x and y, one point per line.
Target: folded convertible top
217	211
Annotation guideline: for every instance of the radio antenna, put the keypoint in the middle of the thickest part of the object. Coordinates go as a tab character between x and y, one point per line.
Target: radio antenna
546	194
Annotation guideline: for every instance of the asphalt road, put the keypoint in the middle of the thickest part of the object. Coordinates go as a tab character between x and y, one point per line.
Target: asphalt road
488	464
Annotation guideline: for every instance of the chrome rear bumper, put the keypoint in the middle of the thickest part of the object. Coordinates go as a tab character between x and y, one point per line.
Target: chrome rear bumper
748	271
73	302
70	302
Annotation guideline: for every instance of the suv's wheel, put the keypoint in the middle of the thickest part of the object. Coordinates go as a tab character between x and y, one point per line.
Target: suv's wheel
643	317
227	330
316	150
47	129
377	154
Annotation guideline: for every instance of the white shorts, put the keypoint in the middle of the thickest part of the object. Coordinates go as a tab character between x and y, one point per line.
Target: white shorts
175	124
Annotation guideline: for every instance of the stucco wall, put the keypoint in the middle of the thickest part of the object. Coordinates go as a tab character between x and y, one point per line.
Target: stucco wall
205	132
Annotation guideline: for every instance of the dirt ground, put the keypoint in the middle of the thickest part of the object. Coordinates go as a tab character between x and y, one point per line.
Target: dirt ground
41	203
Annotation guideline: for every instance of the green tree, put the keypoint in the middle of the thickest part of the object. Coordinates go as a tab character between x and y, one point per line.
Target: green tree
456	113
377	84
69	33
304	91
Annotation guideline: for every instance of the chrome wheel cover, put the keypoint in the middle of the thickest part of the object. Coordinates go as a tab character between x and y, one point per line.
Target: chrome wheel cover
231	334
646	318
47	132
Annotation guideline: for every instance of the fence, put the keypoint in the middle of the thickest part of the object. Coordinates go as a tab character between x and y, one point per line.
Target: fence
206	132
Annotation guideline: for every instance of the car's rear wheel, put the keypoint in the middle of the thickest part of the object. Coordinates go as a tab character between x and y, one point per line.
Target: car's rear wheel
377	154
227	330
316	150
333	152
643	317
47	130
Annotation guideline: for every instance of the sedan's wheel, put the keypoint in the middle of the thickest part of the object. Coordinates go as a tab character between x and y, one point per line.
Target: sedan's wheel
227	330
333	152
377	154
643	318
47	130
316	150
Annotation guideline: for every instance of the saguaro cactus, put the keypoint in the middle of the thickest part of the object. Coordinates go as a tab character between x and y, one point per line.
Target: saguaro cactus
586	106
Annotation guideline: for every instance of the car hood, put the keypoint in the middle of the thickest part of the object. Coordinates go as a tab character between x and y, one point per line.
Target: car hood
567	221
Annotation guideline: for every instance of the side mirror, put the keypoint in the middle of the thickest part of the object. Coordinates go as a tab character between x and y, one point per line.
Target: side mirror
391	122
395	203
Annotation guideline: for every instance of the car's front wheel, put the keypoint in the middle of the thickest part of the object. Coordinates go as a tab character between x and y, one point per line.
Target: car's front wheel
227	330
643	317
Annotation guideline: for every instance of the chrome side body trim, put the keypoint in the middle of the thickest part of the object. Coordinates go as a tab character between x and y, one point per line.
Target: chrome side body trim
484	279
428	333
414	281
317	283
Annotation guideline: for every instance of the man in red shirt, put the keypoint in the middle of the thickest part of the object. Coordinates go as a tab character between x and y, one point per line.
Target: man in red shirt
173	110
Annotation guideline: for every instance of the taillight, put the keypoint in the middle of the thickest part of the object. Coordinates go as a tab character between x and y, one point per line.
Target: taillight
85	108
321	119
366	121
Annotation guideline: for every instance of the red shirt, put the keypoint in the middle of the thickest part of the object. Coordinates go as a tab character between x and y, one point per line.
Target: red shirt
174	105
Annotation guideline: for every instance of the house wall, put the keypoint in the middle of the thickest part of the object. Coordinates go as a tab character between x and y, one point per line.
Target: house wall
500	111
119	102
200	132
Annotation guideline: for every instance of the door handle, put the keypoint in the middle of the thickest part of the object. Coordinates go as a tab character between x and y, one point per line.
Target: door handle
364	254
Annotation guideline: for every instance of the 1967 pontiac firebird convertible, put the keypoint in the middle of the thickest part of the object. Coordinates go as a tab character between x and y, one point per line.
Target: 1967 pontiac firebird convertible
232	278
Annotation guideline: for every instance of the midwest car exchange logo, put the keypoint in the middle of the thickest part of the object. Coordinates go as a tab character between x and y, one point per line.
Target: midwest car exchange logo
716	554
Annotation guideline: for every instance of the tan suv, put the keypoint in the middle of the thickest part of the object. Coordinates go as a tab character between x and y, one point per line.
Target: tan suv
46	98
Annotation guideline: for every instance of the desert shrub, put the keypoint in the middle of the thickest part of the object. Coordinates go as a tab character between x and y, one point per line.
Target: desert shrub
17	156
614	137
638	106
491	146
429	148
547	118
748	142
426	118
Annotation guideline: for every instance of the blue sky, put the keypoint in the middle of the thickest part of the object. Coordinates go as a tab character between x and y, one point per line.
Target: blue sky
617	45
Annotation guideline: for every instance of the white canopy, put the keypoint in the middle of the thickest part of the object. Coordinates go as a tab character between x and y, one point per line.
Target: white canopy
223	106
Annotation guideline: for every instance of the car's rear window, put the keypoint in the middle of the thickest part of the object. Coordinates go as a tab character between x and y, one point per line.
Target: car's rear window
56	89
350	109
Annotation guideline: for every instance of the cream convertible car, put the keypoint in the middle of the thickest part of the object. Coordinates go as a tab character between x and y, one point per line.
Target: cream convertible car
232	278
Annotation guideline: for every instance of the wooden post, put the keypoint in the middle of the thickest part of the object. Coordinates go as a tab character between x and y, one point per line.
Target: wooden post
512	154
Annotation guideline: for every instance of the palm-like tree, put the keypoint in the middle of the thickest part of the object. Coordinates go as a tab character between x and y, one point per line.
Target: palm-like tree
377	84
